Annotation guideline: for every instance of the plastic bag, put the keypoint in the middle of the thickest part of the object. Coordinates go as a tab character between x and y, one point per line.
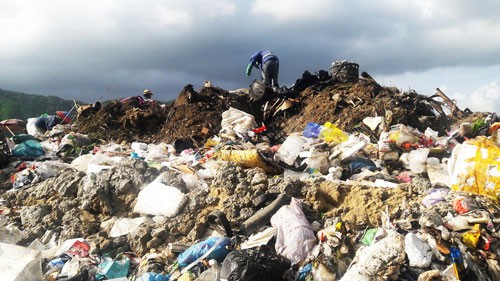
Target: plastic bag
290	149
114	268
295	238
419	252
312	130
330	133
199	249
475	167
160	199
28	149
253	265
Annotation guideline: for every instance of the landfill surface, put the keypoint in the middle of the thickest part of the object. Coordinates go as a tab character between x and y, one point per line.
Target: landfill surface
335	178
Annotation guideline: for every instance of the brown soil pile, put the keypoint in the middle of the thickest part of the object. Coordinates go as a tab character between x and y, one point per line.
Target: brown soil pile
196	116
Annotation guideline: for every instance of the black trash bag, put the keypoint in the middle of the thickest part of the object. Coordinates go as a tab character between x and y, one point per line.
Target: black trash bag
353	165
254	265
4	150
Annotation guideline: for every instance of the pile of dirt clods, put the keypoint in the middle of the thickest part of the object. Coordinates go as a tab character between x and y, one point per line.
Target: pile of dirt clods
334	178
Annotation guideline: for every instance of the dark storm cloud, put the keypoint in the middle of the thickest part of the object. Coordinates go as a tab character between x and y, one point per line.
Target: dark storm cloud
110	49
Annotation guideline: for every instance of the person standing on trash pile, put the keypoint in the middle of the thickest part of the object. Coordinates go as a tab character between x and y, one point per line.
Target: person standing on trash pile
269	65
147	94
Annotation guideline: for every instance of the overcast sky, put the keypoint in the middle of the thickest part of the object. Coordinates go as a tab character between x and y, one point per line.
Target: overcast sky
99	50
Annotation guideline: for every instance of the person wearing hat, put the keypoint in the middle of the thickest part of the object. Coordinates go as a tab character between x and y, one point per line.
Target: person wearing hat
147	94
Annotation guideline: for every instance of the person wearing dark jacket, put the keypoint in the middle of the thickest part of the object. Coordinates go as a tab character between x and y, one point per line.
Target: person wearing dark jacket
269	65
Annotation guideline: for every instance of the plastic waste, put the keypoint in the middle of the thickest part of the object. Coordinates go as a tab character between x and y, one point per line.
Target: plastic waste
312	130
212	273
355	164
372	260
20	263
369	235
419	253
29	149
417	160
352	145
462	204
259	239
321	273
199	249
124	226
237	121
160	199
295	238
253	265
20	138
471	238
435	195
290	149
114	268
263	216
330	133
474	167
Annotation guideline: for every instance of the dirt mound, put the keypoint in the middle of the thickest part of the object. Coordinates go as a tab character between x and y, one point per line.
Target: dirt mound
347	104
196	116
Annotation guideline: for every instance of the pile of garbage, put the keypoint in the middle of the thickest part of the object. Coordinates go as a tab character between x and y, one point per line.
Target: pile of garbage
335	178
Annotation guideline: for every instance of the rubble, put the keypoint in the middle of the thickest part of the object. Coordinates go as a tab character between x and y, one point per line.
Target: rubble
335	178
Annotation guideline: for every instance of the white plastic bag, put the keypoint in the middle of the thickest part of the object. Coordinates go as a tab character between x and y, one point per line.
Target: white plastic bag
160	199
237	121
295	238
418	251
290	149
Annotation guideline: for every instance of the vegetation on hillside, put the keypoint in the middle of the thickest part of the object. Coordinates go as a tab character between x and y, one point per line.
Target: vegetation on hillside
23	106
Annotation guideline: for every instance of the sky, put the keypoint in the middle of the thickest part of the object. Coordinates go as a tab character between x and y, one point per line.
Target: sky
108	49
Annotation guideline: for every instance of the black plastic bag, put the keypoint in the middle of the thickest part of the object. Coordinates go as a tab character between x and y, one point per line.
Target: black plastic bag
254	265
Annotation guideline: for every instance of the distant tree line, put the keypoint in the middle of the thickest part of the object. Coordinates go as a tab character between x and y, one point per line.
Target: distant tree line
14	105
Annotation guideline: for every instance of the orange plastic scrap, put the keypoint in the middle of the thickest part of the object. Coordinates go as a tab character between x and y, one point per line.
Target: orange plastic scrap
482	175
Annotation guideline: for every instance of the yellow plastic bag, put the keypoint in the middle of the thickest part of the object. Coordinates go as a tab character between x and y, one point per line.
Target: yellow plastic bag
245	158
476	168
330	133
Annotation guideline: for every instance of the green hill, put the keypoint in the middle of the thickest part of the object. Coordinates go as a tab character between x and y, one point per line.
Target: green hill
24	106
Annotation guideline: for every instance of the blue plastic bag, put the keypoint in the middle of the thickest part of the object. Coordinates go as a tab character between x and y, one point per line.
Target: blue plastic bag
199	249
28	149
312	130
